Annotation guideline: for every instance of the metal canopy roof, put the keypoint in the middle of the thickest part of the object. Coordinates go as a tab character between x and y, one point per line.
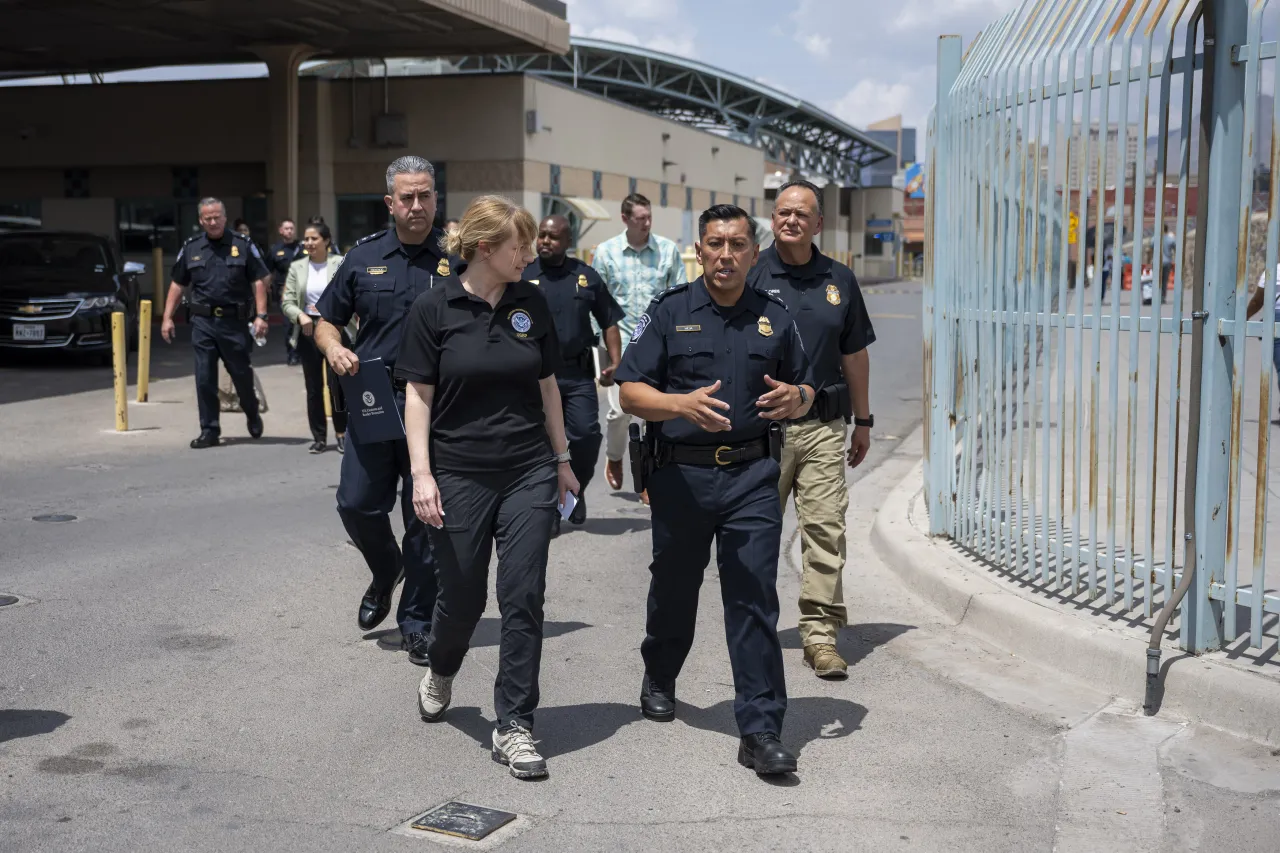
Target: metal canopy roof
108	35
790	130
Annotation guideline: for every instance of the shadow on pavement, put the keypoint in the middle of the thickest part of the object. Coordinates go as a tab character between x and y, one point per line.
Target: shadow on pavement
856	642
487	633
608	526
39	374
560	731
809	718
16	723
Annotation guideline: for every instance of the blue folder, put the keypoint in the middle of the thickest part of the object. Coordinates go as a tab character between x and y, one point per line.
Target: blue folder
373	415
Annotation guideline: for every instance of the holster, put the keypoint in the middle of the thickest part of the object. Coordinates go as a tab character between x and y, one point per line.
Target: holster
640	449
833	402
777	437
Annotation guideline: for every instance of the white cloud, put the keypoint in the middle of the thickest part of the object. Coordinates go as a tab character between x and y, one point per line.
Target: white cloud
871	100
816	43
677	46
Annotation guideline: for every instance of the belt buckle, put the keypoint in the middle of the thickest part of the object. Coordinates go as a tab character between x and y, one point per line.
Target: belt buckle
720	461
217	310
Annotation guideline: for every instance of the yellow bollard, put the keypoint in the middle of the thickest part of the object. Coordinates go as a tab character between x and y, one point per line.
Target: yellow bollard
324	377
118	348
157	274
144	349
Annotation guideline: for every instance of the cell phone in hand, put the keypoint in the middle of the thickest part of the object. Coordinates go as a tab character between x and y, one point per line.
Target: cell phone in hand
566	508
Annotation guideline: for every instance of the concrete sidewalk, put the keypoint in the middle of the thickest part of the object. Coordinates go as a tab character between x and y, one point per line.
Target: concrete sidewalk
1101	649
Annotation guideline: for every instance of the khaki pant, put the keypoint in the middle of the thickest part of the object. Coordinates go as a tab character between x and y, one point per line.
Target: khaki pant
813	463
616	424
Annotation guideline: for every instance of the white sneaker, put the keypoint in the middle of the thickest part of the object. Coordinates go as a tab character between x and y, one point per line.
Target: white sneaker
514	747
434	694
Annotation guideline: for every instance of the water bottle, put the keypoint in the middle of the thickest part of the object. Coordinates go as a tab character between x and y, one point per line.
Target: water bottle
260	340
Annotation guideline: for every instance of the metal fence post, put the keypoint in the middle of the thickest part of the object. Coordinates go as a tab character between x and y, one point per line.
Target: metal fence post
1222	128
941	354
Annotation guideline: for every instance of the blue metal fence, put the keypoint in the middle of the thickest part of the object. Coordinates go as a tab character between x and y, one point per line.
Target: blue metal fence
1081	438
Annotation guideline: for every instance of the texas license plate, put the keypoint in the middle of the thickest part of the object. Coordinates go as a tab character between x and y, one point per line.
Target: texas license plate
28	332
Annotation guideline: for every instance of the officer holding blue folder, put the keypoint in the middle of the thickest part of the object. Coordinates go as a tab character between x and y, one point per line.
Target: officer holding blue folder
377	282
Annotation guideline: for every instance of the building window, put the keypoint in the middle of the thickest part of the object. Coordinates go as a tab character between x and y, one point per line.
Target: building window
144	223
555	179
597	185
873	246
662	194
359	216
16	215
631	186
688	198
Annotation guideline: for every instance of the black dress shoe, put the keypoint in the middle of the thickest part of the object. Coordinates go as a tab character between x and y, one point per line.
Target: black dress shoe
766	755
255	426
205	439
317	447
658	700
375	605
416	645
579	513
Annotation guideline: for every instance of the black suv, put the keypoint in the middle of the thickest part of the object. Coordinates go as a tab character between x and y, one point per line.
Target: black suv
58	290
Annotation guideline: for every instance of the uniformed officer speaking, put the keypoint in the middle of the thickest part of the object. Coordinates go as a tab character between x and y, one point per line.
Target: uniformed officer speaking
225	273
712	365
824	298
576	293
377	282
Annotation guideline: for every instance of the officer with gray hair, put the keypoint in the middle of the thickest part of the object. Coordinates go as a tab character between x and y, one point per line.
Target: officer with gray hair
377	281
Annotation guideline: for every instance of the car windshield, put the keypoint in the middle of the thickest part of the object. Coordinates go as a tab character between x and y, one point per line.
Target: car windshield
57	253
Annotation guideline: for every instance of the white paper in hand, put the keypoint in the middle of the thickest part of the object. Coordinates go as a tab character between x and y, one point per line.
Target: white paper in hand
566	508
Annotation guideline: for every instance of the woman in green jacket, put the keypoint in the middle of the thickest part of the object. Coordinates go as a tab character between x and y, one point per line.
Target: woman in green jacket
308	277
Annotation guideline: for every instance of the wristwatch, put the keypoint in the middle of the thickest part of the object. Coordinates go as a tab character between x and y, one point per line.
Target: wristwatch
804	395
566	456
868	421
262	317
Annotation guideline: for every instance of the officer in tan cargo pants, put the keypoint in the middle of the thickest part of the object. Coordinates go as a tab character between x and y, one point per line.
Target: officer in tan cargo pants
823	297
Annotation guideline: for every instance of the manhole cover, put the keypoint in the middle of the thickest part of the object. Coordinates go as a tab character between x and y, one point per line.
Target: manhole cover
6	600
463	820
53	519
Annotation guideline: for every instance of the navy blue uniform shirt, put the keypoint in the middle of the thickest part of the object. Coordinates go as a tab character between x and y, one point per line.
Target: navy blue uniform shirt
378	281
824	299
575	293
485	363
686	341
219	272
281	255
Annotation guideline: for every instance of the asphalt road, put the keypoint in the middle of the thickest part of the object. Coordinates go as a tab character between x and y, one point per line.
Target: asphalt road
182	671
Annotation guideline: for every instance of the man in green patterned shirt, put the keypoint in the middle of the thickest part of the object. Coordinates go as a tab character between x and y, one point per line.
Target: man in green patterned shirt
636	266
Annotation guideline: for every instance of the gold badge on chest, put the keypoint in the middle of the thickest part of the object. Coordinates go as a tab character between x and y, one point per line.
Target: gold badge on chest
442	268
582	281
764	327
833	294
235	251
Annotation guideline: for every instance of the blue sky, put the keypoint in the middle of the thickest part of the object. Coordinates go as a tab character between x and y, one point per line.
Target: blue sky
859	59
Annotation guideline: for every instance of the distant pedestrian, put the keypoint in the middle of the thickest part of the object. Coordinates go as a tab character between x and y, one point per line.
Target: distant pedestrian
279	257
225	272
1168	250
636	265
490	461
307	280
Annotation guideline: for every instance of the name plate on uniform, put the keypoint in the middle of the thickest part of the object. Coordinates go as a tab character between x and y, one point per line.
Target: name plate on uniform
371	404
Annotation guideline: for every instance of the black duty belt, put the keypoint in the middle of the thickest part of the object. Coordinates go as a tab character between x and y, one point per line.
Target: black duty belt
236	312
705	454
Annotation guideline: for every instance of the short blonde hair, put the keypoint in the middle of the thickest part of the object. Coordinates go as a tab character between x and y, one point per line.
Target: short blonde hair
489	219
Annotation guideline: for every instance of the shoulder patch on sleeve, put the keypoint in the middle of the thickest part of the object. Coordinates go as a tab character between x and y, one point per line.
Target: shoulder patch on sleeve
773	297
641	325
374	236
679	288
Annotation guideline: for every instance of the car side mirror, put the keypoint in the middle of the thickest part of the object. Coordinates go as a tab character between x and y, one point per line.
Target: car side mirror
134	268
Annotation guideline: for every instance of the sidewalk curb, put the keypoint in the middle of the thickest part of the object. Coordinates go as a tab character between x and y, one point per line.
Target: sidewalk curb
1109	658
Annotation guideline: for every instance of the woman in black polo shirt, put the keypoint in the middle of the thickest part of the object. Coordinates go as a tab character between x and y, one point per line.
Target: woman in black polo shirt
489	458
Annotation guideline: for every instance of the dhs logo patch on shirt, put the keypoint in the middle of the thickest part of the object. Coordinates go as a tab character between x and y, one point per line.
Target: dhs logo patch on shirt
521	322
641	325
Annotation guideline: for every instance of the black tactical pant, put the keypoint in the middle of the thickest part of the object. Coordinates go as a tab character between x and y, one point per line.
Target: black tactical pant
226	339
